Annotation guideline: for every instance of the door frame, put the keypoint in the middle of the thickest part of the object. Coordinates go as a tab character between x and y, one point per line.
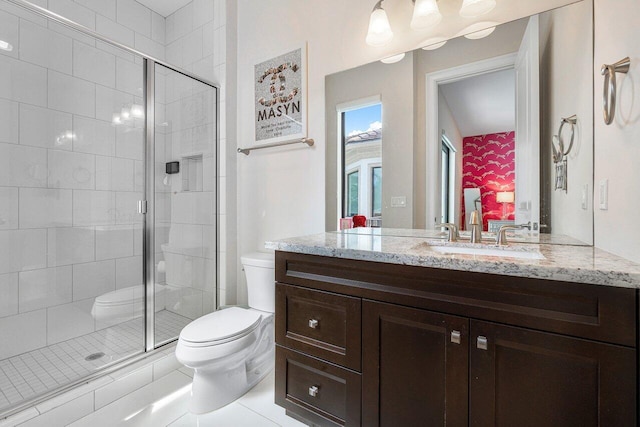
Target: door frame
433	132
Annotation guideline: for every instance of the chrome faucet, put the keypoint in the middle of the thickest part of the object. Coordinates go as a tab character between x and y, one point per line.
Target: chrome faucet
476	227
452	229
501	237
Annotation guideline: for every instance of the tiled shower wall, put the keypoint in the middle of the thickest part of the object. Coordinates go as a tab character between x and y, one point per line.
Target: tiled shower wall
69	180
69	230
196	42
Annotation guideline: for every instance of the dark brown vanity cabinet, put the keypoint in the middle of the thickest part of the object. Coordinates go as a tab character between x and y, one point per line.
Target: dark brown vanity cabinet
372	344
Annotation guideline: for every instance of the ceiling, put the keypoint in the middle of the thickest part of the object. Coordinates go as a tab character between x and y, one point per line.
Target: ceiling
164	7
483	104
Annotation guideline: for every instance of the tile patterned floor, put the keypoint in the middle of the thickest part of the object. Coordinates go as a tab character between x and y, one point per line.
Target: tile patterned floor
30	374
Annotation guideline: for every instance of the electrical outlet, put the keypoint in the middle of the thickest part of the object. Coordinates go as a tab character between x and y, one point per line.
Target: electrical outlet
604	194
585	196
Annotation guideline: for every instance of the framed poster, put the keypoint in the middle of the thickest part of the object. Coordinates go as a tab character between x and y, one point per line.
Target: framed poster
280	98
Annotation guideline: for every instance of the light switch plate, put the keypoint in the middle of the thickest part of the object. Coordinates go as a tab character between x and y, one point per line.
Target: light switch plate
604	194
399	202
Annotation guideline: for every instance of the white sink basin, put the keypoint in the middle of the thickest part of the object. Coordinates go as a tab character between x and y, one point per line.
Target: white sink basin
484	251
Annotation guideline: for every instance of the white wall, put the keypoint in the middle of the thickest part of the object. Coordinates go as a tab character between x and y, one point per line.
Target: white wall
617	147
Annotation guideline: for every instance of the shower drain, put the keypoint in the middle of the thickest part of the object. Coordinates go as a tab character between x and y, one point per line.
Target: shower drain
94	356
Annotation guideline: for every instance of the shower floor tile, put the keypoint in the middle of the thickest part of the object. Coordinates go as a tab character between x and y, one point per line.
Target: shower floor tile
39	371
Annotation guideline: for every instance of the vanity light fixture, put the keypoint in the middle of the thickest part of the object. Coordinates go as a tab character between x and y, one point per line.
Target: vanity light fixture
6	46
426	14
479	30
393	59
434	43
473	8
379	32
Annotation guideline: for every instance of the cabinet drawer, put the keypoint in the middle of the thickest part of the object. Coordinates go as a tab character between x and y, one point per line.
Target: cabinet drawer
319	323
321	392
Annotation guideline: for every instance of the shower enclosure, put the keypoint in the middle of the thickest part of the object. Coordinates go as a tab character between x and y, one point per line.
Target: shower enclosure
108	201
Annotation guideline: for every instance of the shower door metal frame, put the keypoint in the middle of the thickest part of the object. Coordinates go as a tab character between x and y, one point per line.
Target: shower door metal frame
147	206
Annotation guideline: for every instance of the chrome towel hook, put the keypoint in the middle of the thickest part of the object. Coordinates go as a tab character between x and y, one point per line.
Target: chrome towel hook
609	94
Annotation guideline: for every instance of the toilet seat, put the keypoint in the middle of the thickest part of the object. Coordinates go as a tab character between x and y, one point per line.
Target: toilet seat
220	327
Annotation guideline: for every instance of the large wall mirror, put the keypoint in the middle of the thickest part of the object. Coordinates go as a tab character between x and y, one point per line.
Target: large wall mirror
470	125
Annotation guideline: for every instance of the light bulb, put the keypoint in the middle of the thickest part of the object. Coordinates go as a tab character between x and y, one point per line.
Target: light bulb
379	32
393	59
125	113
6	46
426	14
115	119
434	43
473	8
137	111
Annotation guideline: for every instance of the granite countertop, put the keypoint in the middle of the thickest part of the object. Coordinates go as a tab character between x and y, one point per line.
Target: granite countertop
582	264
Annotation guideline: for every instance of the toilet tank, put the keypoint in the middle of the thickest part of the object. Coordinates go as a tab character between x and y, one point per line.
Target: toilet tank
259	268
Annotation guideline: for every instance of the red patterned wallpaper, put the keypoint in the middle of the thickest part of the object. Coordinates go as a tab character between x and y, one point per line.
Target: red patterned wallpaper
488	163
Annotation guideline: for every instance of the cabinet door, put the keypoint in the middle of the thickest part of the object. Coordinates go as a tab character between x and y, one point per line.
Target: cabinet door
529	378
415	368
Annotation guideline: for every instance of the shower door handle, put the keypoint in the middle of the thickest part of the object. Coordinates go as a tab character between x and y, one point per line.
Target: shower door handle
142	207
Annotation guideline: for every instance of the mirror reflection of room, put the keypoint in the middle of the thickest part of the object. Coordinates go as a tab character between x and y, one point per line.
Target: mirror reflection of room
477	118
362	154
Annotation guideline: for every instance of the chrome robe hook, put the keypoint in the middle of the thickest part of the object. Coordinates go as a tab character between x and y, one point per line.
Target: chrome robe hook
609	93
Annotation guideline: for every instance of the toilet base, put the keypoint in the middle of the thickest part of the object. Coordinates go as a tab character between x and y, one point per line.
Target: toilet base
213	390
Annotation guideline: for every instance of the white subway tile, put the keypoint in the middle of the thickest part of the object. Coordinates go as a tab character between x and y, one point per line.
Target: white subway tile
74	12
9	292
94	65
44	207
64	414
133	15
208	39
202	12
9	32
205	68
71	170
137	239
123	386
8	121
110	102
42	127
22	250
220	53
114	31
192	47
94	136
179	23
129	77
149	46
44	47
183	300
115	174
158	29
128	272
93	208
23	82
204	274
186	239
69	321
70	245
114	242
8	208
72	34
45	288
93	279
130	142
209	241
25	332
103	7
71	94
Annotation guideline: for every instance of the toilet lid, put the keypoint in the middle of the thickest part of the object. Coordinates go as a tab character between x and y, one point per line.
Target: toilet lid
121	296
221	325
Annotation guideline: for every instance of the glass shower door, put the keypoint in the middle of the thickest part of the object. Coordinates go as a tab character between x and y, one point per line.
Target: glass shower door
71	175
185	201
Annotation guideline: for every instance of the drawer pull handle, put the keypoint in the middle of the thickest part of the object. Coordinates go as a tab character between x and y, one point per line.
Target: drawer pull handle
482	343
313	391
455	337
313	323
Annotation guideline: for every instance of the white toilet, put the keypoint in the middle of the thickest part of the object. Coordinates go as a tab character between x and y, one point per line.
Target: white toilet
232	349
